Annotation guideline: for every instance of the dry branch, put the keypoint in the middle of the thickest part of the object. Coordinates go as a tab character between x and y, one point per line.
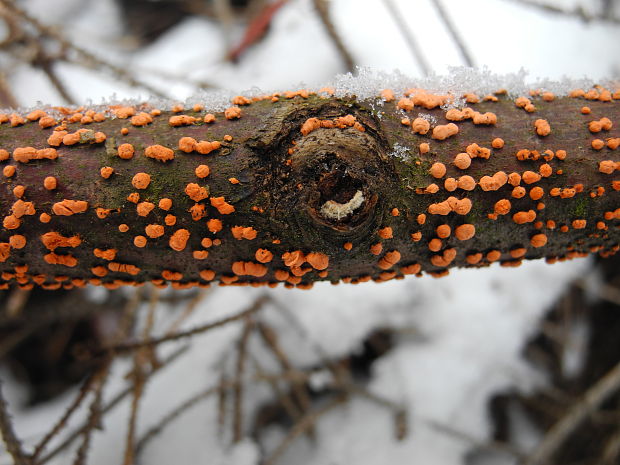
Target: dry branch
303	187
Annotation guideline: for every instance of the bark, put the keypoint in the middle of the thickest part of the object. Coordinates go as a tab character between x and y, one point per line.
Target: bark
336	198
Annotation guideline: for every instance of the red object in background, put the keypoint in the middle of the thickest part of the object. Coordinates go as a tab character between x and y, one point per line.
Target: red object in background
256	29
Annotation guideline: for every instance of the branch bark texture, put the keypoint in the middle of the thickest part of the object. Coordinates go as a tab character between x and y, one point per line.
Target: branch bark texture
301	187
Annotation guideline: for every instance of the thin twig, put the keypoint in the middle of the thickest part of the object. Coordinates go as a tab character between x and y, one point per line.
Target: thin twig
85	58
611	450
304	424
62	422
322	8
12	442
581	410
116	400
130	346
7	99
397	17
454	33
578	12
48	68
238	389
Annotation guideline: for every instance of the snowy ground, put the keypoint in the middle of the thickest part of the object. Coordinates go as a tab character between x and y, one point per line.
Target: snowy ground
460	338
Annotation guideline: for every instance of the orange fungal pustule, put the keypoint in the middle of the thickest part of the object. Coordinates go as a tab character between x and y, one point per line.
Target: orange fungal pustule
442	132
141	180
159	152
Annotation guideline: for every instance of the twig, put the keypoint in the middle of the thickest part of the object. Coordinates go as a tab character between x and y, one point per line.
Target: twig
454	33
578	12
189	309
397	17
304	424
7	99
48	68
238	389
94	416
116	400
12	442
589	403
322	8
85	58
130	346
62	422
611	450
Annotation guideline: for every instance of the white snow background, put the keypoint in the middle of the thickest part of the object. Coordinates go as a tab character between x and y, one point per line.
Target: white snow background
460	337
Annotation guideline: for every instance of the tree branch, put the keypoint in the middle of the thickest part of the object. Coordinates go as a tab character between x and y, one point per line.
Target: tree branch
301	187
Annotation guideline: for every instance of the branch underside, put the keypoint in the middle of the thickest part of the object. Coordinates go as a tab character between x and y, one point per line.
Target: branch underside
299	188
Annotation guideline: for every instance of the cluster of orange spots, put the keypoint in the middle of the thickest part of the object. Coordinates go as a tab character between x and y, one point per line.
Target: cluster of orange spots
387	95
538	240
523	217
467	183
55	259
243	232
105	254
140	241
171	275
223	207
263	256
295	258
317	260
17	241
159	152
214	225
525	103
125	151
232	112
207	275
25	154
601	94
204	147
165	204
141	180
451	204
497	143
179	239
530	177
443	231
106	172
565	193
196	192
5	251
475	151
613	143
414	268
487	118
542	127
389	260
493	183
462	161
442	132
536	193
181	120
154	230
81	136
600	125
385	233
18	191
421	97
502	207
51	240
69	207
99	271
141	119
123	268
465	232
8	171
420	126
445	258
144	208
197	211
438	170
579	224
123	112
